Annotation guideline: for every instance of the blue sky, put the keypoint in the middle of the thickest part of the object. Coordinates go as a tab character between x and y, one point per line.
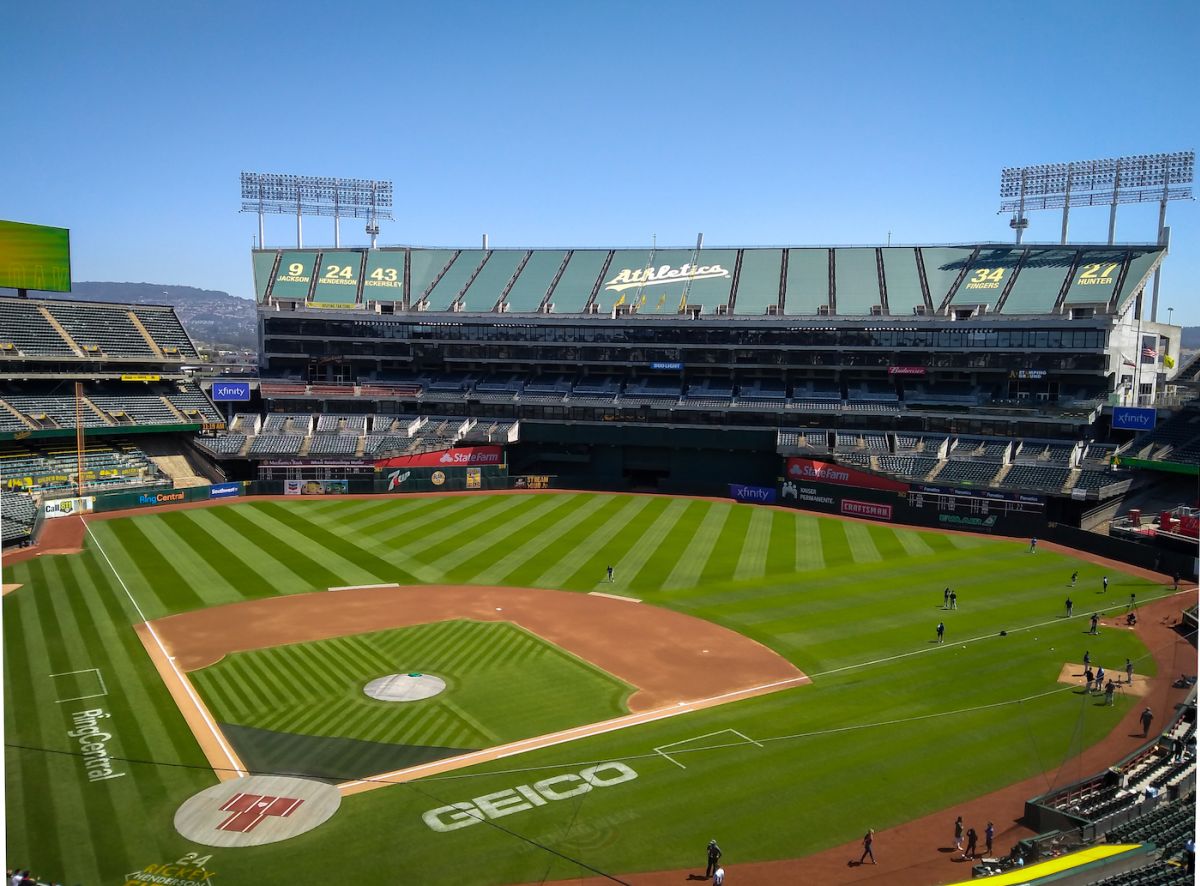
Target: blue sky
582	124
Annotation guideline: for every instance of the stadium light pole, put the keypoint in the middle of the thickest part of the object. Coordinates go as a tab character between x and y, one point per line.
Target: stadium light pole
1138	178
313	195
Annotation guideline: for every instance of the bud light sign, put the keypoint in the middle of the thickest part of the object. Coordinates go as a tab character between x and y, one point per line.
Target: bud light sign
230	391
763	495
1134	418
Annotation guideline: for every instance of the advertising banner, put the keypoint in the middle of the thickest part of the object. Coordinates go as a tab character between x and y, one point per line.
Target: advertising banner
990	494
1134	418
810	470
533	481
459	456
906	370
763	495
870	510
315	487
474	478
67	507
230	391
224	490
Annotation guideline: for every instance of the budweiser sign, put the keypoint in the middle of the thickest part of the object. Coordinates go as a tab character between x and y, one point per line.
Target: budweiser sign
906	370
460	456
628	278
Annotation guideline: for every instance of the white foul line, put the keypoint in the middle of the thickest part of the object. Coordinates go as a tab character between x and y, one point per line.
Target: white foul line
575	733
184	681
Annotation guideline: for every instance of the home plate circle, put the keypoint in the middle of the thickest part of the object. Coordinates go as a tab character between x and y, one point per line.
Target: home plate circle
255	810
405	687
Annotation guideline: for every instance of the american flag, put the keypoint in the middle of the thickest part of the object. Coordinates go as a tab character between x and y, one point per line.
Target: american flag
1150	353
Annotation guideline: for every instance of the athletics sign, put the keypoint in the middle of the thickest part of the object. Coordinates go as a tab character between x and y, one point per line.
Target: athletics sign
628	278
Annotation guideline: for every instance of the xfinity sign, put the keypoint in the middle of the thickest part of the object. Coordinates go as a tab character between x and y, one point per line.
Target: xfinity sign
231	391
1134	418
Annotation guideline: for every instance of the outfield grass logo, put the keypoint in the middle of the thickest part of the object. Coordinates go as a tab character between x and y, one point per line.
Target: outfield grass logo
628	278
92	742
526	796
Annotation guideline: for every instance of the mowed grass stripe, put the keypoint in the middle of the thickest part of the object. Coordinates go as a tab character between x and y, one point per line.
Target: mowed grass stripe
454	516
810	548
337	546
916	544
467	554
269	570
579	509
132	716
752	563
251	525
591	570
41	624
862	543
726	552
175	591
648	545
139	584
206	580
235	570
687	569
590	545
537	557
27	665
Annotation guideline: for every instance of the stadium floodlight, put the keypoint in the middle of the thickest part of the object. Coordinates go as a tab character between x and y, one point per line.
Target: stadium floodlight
1138	178
316	195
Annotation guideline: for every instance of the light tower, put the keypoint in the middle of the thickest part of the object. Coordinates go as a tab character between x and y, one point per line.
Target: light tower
1139	178
313	195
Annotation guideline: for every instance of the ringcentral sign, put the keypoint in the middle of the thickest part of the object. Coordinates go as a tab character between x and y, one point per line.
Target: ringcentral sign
526	796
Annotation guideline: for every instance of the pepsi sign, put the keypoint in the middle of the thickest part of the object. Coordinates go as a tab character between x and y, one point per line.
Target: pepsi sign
230	391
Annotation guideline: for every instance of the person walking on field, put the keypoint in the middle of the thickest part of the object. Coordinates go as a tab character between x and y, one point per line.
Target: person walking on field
989	834
1147	719
1104	581
868	843
1090	677
1099	678
610	573
1074	577
1128	670
953	600
972	842
958	833
1087	658
1032	545
946	599
1070	607
1132	602
941	631
714	858
1095	623
1109	688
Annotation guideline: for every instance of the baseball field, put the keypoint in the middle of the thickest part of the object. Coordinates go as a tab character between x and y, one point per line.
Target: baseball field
762	676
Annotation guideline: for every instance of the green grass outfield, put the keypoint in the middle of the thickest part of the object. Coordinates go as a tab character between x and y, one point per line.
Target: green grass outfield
892	727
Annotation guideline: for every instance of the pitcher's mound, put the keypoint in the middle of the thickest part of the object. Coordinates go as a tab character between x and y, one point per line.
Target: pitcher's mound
405	687
255	810
1073	674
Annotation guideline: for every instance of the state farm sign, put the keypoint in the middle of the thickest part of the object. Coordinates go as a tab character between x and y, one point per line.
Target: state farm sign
460	456
810	470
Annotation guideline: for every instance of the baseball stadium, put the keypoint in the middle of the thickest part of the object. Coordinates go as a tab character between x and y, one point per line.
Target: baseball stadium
607	565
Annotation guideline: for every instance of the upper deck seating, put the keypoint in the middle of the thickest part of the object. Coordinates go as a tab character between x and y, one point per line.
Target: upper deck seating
24	326
107	328
168	333
1043	477
225	444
